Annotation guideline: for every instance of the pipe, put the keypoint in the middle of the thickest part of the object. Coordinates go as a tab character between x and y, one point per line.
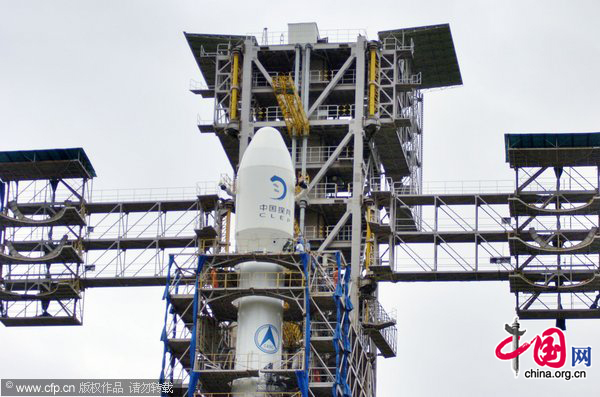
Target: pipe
372	80
369	245
227	230
297	84
233	110
305	104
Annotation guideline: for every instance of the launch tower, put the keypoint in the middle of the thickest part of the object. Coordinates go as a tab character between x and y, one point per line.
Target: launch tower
350	112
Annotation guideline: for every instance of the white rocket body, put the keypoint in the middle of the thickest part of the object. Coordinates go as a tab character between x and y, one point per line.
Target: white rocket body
265	194
264	223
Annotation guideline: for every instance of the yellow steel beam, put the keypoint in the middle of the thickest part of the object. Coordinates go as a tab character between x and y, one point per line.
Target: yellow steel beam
291	105
372	82
235	87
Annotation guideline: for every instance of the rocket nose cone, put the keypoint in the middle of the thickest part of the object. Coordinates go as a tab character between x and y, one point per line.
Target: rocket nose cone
267	147
268	136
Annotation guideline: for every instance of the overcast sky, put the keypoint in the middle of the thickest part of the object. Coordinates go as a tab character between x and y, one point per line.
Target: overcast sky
113	77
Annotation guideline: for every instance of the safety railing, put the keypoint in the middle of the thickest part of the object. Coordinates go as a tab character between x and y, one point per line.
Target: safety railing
407	113
374	315
36	276
572	179
392	43
322	329
323	282
325	76
149	260
259	80
314	232
410	80
178	330
218	279
344	234
402	189
268	113
564	301
41	191
325	36
183	288
222	49
323	112
381	184
196	85
409	259
333	112
341	35
316	76
468	187
250	361
321	374
154	194
321	233
488	186
320	154
36	308
330	190
151	228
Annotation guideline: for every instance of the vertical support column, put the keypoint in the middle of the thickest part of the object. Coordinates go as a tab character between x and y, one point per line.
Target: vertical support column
355	202
476	233
305	93
297	84
435	238
392	252
516	221
246	126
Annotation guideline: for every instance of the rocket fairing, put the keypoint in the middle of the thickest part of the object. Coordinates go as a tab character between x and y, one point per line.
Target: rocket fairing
265	194
264	223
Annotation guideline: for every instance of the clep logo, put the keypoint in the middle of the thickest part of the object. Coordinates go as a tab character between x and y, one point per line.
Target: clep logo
266	338
549	350
279	187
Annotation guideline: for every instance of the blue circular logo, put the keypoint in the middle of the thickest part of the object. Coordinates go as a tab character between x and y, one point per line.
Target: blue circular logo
267	338
279	187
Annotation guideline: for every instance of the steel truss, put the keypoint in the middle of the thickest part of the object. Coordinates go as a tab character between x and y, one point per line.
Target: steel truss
42	222
557	266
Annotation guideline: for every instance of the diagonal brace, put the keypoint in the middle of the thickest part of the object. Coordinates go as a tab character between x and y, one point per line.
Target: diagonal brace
531	179
334	156
264	72
334	231
332	83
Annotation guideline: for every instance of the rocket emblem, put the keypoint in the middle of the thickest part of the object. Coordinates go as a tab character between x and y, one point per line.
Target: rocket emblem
266	339
279	187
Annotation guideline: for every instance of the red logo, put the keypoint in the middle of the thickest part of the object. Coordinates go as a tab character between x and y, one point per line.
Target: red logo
549	349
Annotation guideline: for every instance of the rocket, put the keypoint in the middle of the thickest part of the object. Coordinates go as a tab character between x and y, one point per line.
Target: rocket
264	223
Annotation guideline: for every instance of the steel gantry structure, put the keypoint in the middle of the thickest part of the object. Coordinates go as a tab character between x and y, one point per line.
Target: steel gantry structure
351	111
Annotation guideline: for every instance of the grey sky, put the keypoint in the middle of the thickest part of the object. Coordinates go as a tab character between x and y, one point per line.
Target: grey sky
112	77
